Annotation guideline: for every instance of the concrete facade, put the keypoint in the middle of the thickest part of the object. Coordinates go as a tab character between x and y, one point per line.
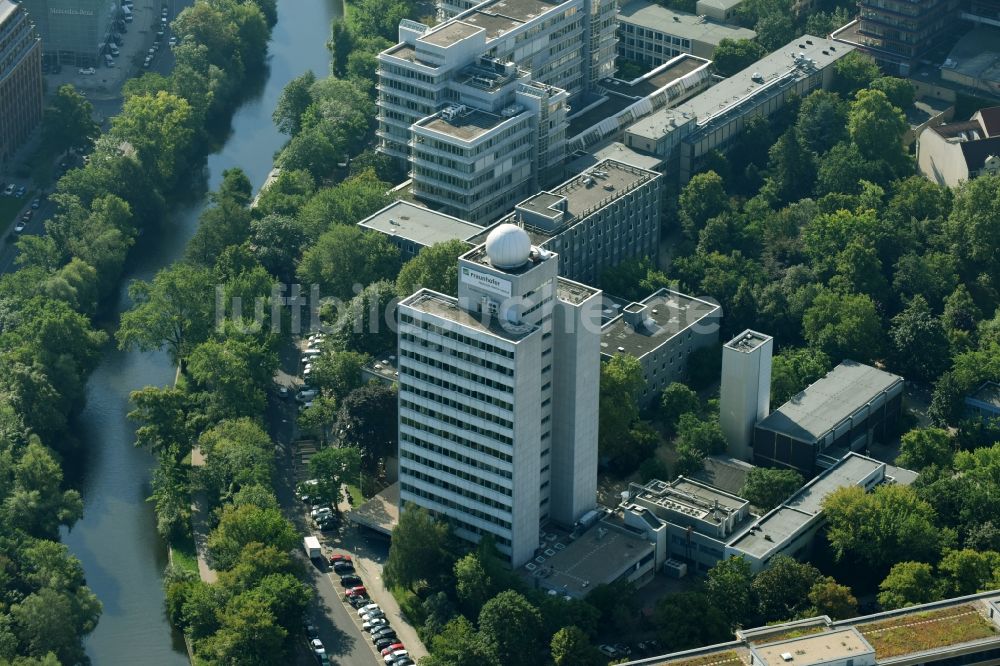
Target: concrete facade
411	228
74	32
20	78
652	34
745	393
498	396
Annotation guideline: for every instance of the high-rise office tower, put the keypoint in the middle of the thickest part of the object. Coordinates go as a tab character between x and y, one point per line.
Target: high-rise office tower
20	79
498	396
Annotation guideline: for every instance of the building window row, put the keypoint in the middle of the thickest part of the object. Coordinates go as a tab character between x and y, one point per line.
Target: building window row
458	406
438	482
468	358
458	337
452	454
458	423
477	395
462	508
458	439
462	474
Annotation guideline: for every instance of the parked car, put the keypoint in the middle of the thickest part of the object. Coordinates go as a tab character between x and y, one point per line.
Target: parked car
371	615
343	568
20	192
350	580
608	651
393	657
19	227
359	590
374	623
359	601
128	18
392	648
327	524
383	643
146	62
87	71
305	395
311	632
27	215
9	190
36	203
172	42
365	609
317	647
383	632
340	557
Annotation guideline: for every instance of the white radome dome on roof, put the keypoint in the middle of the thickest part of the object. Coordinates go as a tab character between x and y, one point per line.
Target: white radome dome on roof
508	246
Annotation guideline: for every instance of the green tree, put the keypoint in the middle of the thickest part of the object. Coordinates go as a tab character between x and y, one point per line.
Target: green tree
795	368
277	241
292	104
854	72
235	373
900	92
473	586
844	326
791	167
882	527
68	121
510	628
570	646
344	257
963	572
318	418
782	589
922	447
246	524
919	346
435	267
338	372
160	129
704	435
417	551
908	584
974	228
35	502
830	598
767	488
621	383
877	127
286	194
175	311
730	584
248	634
332	468
346	203
340	46
702	198
734	55
456	645
675	401
367	420
168	419
53	621
687	620
224	224
238	453
961	315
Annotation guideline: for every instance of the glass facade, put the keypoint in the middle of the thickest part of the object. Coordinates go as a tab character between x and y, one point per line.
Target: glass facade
74	31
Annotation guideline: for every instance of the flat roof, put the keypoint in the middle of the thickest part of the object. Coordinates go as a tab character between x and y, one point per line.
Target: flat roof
680	24
670	313
7	9
380	513
418	224
598	556
446	307
737	88
824	404
784	521
574	292
466	126
590	190
747	341
818	648
450	32
383	365
615	150
496	17
721	4
975	55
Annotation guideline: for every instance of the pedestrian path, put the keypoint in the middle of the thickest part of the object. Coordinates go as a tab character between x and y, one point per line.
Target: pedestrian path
199	524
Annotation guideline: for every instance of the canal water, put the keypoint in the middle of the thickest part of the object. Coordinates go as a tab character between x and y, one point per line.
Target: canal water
116	541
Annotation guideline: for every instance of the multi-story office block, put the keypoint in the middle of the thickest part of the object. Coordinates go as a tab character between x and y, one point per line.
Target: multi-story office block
712	121
73	32
478	104
20	78
411	228
605	215
653	34
498	395
745	393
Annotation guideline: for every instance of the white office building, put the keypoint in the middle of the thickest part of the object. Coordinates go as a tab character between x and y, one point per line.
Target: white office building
498	394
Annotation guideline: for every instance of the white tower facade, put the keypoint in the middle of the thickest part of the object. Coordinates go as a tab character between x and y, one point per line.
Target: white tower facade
498	393
745	394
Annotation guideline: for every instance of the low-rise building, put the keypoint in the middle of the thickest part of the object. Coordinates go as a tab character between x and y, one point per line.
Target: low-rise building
661	331
713	120
954	153
973	62
20	78
963	631
851	407
984	404
703	524
411	228
720	10
651	33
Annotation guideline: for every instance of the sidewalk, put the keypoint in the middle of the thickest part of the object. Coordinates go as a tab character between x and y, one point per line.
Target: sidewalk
368	562
199	525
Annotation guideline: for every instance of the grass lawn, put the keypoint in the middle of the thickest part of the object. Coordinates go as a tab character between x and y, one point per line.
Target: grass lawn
926	631
184	555
706	659
357	498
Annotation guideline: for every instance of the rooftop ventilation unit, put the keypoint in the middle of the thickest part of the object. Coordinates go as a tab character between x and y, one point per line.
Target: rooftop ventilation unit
786	656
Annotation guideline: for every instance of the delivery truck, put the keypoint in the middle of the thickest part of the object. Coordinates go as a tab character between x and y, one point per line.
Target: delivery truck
313	550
